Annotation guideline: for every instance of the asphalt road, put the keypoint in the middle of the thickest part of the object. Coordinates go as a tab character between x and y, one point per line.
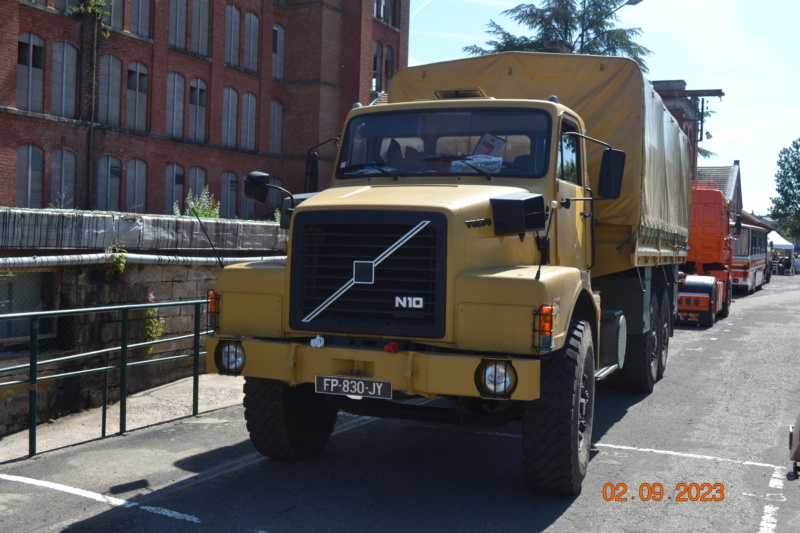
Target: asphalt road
715	428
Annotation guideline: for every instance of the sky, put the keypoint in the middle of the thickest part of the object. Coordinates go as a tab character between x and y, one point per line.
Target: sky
749	50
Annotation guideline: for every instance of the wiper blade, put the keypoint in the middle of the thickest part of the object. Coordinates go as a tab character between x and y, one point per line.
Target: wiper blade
445	158
383	169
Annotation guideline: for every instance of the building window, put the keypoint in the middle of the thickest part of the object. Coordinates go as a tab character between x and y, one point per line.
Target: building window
109	90
386	11
112	14
174	192
136	117
30	167
230	103
30	72
136	186
177	24
228	196
197	110
275	126
248	136
251	42
197	181
232	21
63	5
22	292
389	65
200	27
62	179
377	67
278	38
64	81
175	92
140	18
248	209
109	174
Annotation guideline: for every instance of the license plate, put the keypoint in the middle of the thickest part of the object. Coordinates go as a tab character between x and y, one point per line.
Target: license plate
368	388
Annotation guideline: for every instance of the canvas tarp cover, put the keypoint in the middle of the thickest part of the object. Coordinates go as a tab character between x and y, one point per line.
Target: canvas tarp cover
649	223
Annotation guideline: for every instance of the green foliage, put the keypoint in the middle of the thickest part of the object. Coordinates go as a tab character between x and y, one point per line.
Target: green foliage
277	214
786	206
119	260
154	324
589	27
203	205
91	8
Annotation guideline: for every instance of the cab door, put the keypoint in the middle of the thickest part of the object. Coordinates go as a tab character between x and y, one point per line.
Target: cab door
573	246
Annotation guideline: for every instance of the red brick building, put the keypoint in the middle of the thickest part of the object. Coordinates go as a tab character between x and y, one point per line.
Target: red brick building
168	96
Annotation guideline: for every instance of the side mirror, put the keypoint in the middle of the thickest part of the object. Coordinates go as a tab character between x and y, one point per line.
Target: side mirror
256	186
737	226
312	172
612	167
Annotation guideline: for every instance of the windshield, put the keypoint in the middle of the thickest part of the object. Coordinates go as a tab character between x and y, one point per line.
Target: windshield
487	142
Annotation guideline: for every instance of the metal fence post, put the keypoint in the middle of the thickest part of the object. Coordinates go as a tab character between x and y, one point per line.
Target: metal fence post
196	373
32	386
123	376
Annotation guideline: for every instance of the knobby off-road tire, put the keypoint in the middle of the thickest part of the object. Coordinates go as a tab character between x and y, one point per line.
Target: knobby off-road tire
640	371
665	319
287	423
557	428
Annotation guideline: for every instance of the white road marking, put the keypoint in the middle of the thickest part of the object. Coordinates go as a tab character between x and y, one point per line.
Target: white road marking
769	520
102	498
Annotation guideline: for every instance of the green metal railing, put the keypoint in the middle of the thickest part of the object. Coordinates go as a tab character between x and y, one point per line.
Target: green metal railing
34	366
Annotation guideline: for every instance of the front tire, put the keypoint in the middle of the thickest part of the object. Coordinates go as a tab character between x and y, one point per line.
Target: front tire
287	423
557	428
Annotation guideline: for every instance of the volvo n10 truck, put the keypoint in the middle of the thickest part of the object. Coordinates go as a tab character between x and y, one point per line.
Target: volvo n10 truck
501	234
705	285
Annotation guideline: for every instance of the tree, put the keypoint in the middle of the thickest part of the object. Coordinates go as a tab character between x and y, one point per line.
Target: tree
585	25
786	207
203	205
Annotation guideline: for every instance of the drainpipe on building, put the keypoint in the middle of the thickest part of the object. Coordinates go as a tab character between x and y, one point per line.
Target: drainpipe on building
92	116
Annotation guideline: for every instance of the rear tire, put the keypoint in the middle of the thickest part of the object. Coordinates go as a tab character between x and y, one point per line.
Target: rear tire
287	423
640	371
726	305
557	428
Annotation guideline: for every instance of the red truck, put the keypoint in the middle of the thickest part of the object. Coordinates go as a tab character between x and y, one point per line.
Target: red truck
705	286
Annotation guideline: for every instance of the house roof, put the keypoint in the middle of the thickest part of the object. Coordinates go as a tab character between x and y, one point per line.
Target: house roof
727	180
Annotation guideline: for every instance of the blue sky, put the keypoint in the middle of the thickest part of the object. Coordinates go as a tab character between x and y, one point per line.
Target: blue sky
750	52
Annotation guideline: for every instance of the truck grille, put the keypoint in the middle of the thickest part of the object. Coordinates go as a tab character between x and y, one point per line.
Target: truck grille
369	272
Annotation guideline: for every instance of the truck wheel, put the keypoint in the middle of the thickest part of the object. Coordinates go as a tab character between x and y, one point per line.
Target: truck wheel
287	423
726	304
640	371
665	317
710	316
557	428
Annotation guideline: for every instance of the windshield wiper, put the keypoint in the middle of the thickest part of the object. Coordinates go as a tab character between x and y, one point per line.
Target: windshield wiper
383	169
445	158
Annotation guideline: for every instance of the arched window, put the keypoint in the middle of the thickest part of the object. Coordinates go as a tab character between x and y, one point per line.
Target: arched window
136	116
389	65
64	80
377	67
275	126
109	90
30	166
200	27
250	42
228	196
197	180
136	186
174	188
278	52
197	110
232	22
109	173
62	178
248	134
175	91
230	104
30	73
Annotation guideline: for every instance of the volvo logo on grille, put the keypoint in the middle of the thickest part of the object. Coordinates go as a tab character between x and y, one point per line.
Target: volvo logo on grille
409	302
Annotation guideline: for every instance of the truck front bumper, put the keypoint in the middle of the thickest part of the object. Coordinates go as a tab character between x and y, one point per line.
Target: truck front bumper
410	372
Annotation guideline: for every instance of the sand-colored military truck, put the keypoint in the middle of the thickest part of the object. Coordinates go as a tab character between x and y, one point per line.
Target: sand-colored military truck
479	258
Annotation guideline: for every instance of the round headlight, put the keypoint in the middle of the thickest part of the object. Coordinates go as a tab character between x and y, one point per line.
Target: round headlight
230	357
498	377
